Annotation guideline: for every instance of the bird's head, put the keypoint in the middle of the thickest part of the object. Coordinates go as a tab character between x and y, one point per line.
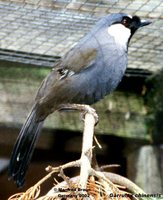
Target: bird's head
122	26
132	23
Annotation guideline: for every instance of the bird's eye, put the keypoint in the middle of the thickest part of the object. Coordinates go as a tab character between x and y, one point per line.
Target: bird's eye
126	21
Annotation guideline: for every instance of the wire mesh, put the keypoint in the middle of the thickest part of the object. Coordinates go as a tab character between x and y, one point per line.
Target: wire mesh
53	27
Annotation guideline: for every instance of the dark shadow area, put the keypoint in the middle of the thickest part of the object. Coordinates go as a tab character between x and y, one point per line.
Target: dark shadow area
65	146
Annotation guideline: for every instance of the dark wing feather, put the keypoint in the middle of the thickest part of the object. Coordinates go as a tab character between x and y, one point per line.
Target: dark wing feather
74	61
77	59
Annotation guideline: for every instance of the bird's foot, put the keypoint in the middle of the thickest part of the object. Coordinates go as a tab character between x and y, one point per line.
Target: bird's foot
81	107
88	109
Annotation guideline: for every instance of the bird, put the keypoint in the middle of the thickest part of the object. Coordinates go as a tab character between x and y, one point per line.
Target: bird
90	70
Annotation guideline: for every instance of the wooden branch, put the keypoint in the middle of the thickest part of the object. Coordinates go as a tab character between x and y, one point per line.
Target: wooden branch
87	146
105	184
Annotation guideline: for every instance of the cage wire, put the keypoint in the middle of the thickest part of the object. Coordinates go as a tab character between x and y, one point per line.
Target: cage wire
53	27
38	32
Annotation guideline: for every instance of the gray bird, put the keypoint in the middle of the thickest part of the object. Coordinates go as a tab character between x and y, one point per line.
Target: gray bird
90	70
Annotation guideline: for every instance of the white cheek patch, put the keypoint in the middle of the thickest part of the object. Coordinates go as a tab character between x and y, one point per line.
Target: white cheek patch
120	33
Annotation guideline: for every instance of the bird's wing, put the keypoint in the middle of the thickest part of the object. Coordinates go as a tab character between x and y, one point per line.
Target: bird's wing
77	59
73	62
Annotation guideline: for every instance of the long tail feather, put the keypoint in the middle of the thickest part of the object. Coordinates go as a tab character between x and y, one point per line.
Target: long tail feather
24	148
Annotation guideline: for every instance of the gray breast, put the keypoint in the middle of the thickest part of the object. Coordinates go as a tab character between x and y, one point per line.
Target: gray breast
99	80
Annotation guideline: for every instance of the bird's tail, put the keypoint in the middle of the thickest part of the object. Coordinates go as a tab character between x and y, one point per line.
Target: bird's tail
24	148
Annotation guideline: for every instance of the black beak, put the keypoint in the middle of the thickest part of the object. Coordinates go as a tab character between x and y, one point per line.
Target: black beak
145	23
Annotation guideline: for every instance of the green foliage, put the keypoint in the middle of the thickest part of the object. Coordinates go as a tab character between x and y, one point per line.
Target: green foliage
154	101
24	73
155	94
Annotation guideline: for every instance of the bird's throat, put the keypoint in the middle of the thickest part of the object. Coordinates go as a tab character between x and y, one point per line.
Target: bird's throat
120	33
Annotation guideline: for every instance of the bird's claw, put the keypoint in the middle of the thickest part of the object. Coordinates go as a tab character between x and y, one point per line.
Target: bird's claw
90	110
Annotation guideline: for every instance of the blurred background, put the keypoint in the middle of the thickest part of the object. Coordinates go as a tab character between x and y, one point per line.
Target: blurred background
33	35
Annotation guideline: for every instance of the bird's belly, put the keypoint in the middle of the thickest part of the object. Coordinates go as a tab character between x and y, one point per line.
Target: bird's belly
87	87
90	88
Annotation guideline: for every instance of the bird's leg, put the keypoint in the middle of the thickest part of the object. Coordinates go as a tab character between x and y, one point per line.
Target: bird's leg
81	107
